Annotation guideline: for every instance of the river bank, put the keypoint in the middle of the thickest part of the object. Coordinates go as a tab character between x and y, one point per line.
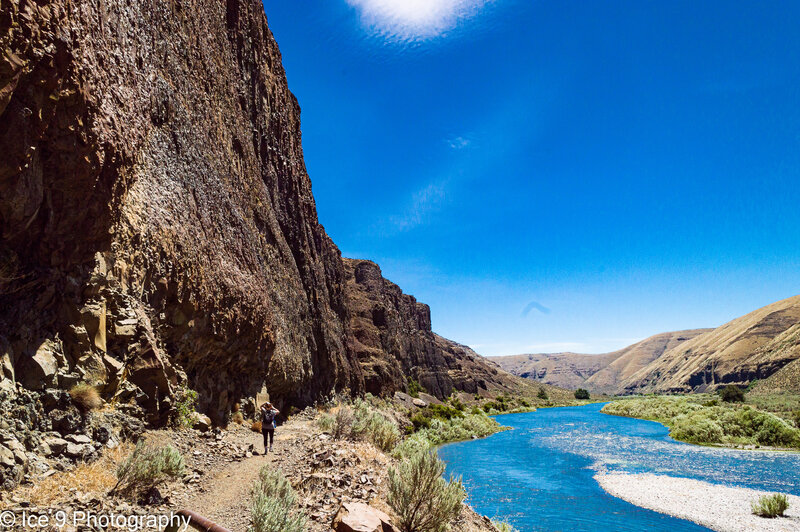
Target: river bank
721	508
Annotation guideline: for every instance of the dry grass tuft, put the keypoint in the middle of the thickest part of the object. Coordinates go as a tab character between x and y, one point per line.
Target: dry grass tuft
238	418
256	426
95	478
85	397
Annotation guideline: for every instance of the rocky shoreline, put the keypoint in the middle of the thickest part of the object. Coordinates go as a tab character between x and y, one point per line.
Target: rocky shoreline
718	507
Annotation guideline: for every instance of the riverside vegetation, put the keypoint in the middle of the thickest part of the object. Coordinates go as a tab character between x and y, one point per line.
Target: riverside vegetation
705	419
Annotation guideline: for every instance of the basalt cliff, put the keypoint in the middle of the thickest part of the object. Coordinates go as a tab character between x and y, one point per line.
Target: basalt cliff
158	229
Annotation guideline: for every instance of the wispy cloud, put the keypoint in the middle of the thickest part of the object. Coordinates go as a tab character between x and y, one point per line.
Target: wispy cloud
414	20
423	202
458	143
535	305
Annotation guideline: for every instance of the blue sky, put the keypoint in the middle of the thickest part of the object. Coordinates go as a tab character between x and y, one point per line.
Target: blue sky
554	176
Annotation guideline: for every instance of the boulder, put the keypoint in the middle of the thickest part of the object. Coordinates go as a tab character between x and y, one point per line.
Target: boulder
7	458
429	399
360	517
201	422
78	438
406	400
78	450
17	449
126	328
56	445
419	402
40	369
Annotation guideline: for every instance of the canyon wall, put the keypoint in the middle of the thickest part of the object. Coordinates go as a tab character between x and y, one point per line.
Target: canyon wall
157	225
393	341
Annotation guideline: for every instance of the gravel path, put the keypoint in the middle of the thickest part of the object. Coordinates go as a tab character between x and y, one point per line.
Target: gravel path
227	496
721	508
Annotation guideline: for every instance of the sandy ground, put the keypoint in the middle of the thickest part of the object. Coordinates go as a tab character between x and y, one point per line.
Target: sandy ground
722	508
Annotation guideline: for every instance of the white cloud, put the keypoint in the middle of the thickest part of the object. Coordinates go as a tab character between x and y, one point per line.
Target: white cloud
423	202
458	143
412	20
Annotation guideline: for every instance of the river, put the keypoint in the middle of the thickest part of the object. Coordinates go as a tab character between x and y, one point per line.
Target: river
539	475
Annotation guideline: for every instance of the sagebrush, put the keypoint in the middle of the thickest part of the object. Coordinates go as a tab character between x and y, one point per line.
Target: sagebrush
770	506
502	526
148	465
274	504
361	421
421	498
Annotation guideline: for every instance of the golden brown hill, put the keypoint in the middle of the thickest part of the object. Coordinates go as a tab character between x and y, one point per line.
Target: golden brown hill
752	347
567	370
633	358
598	373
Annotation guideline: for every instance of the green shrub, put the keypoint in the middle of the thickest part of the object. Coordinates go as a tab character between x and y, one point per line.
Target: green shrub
273	507
361	422
457	404
414	387
580	393
184	407
716	423
502	526
542	394
146	466
751	385
732	394
421	498
447	430
770	505
423	418
796	418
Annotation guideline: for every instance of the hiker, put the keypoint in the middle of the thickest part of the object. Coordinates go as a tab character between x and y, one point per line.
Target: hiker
268	413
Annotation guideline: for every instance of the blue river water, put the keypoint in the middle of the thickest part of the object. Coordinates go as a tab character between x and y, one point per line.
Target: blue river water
539	476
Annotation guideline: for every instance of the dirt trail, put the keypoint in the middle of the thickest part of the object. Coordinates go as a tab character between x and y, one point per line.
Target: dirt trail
226	498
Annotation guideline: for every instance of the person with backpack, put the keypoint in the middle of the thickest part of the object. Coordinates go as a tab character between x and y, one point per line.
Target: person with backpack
268	414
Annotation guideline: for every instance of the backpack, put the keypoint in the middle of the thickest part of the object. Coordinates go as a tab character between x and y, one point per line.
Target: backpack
268	418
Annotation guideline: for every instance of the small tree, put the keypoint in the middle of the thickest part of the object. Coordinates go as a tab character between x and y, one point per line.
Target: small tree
421	498
542	394
732	394
580	393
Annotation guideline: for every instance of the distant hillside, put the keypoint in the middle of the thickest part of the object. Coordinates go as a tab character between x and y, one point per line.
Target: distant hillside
635	357
764	344
755	346
567	370
598	373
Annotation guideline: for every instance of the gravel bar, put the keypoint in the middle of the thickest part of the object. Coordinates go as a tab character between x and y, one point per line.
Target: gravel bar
718	507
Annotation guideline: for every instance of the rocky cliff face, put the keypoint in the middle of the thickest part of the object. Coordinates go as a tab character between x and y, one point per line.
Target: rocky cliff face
157	226
392	339
156	215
